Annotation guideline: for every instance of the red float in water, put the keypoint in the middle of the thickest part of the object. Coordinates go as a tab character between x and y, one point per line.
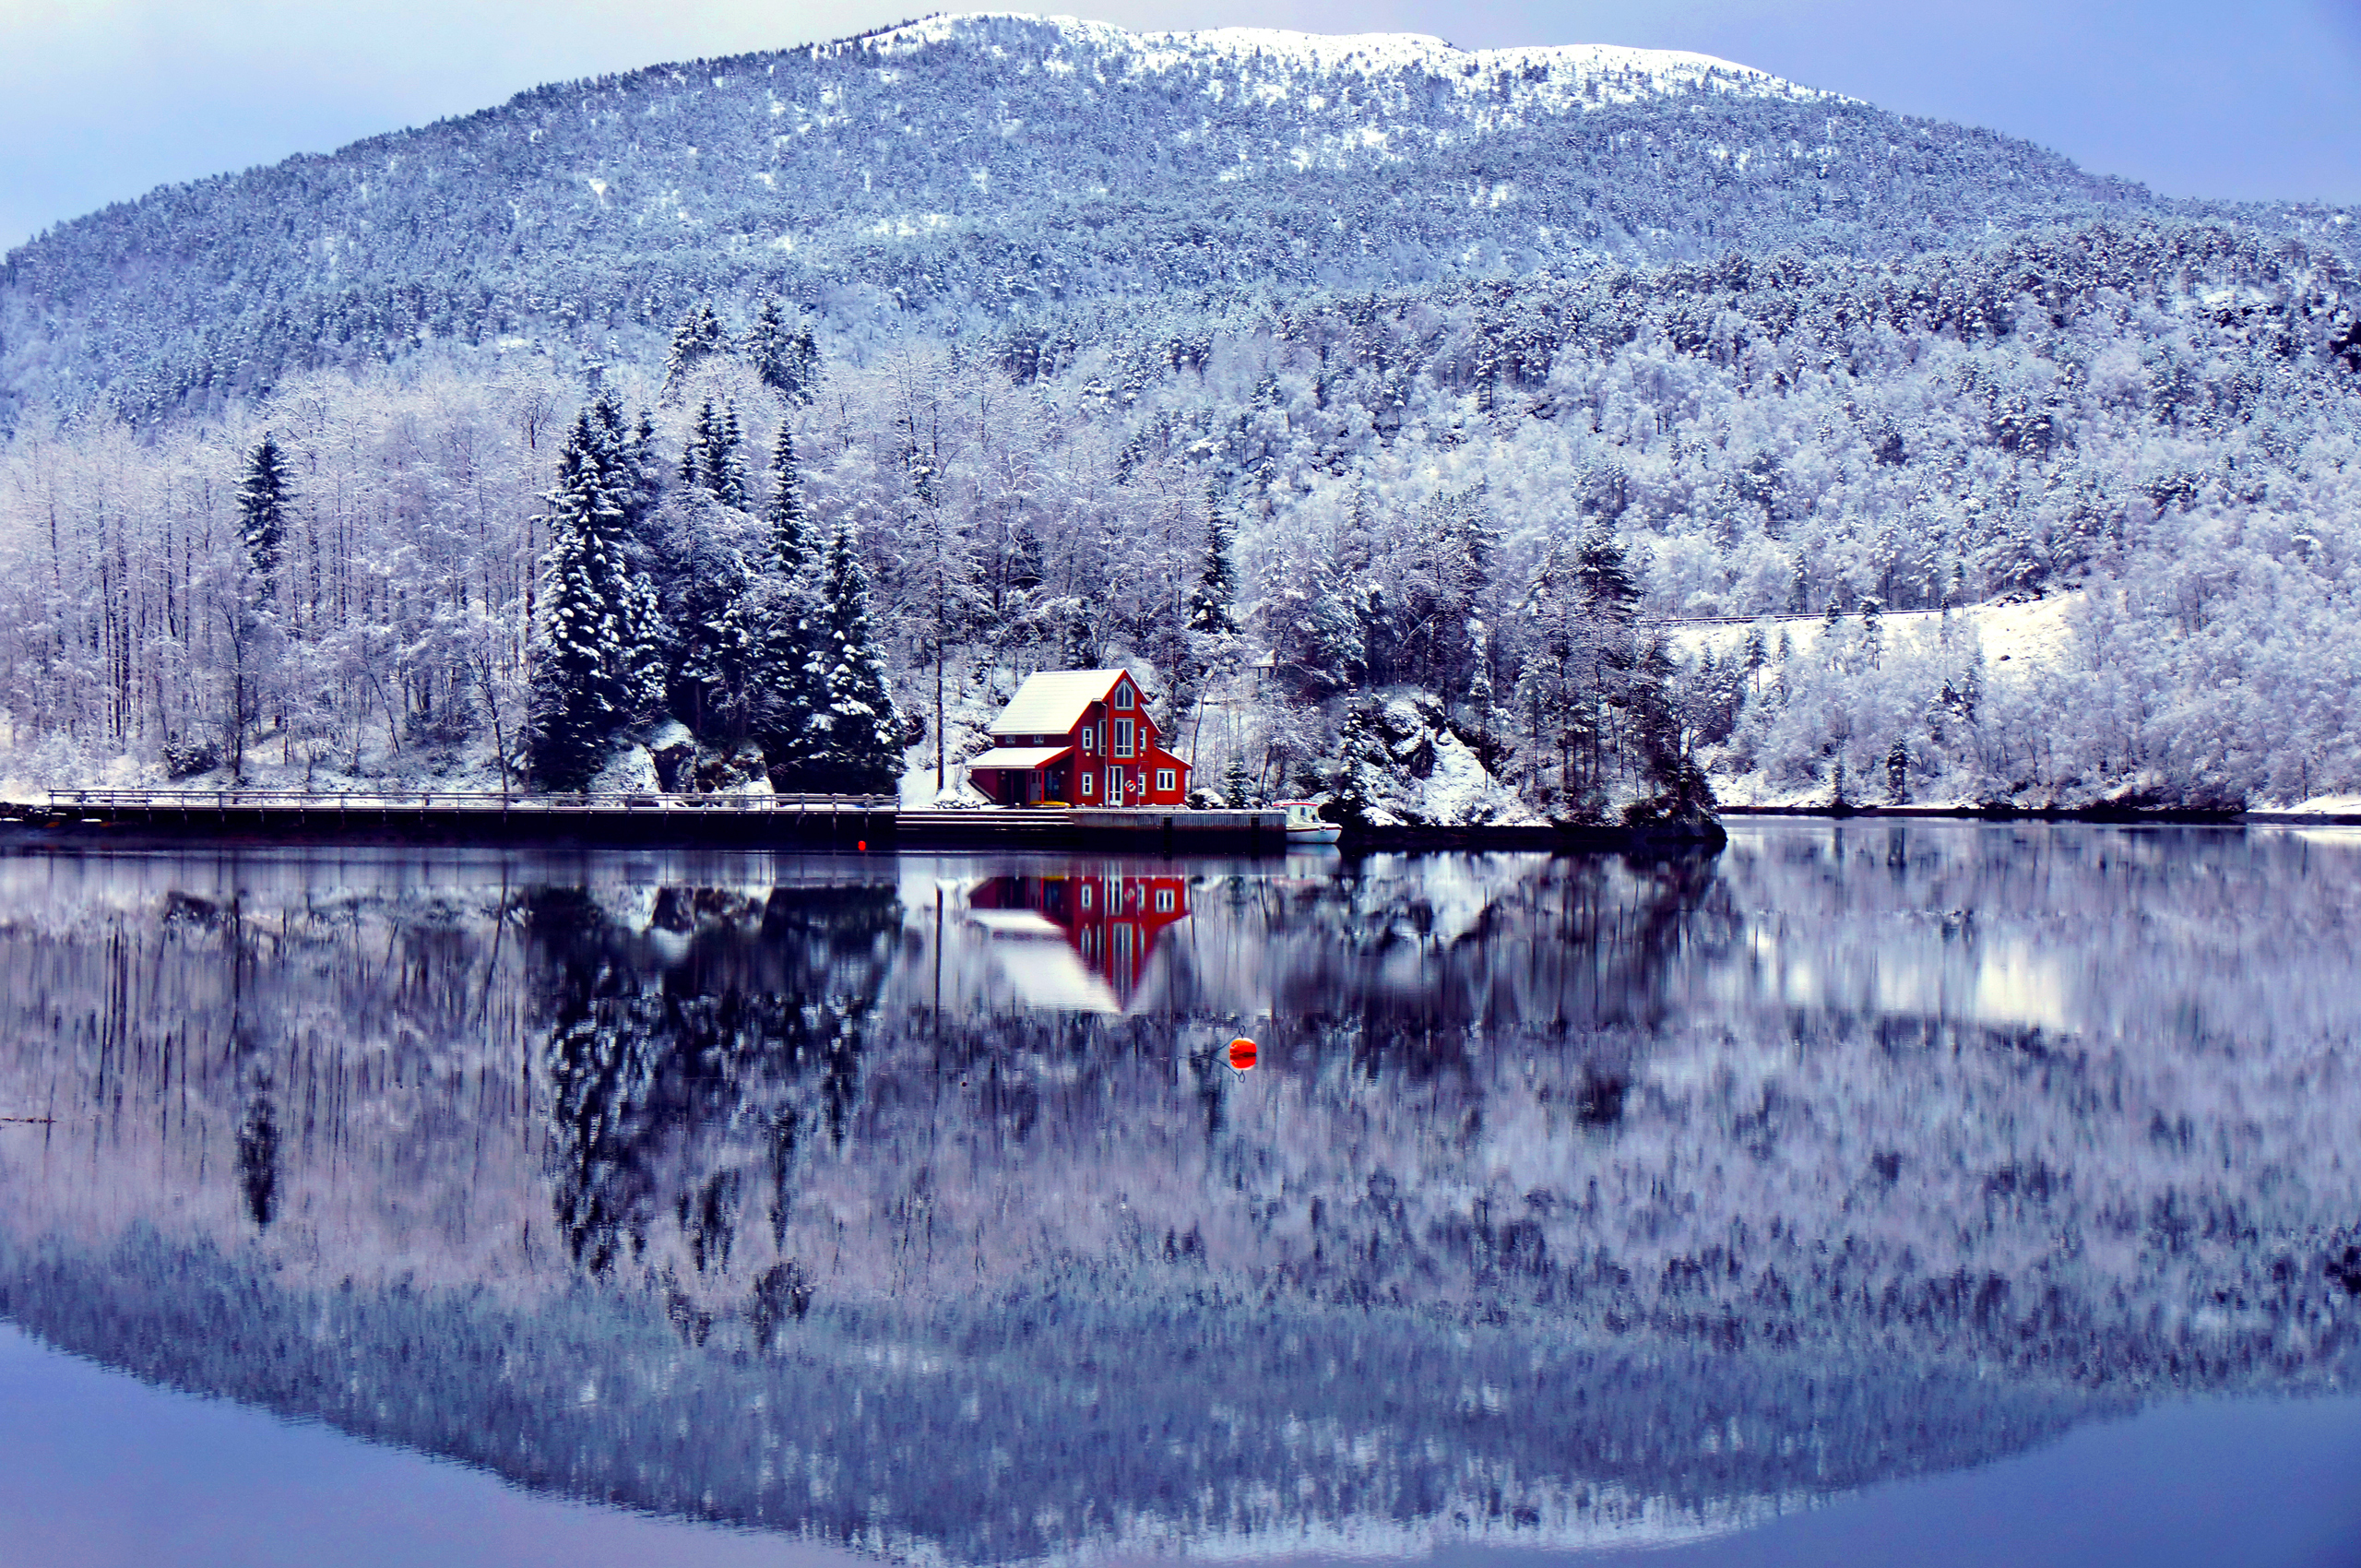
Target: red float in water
1241	1054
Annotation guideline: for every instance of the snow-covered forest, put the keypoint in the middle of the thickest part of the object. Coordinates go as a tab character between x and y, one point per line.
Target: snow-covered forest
1423	532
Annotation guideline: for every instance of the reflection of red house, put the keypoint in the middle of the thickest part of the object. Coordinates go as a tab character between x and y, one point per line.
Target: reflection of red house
1108	919
1082	736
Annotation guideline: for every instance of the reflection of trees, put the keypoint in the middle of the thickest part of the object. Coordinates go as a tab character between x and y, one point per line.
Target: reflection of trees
1561	947
1522	1221
729	1025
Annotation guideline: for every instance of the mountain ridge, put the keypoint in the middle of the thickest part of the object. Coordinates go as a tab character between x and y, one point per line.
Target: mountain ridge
909	173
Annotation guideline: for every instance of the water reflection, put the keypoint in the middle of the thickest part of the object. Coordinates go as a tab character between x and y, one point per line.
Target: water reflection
1077	938
915	1205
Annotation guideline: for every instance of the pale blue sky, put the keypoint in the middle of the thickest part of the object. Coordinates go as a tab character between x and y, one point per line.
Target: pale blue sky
101	100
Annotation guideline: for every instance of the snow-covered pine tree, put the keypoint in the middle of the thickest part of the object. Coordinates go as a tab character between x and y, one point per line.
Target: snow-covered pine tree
697	452
1216	589
698	338
726	660
725	463
1363	764
595	654
786	690
262	514
782	354
857	732
785	512
626	455
256	641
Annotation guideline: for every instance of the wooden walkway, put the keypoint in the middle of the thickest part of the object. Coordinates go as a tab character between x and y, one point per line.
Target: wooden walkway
465	816
800	821
1143	827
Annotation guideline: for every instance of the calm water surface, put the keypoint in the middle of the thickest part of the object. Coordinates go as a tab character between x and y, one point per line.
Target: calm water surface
1931	1193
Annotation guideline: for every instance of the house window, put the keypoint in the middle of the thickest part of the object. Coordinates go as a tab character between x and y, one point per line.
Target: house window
1164	900
1089	783
1123	694
1167	778
1122	737
1087	891
1088	736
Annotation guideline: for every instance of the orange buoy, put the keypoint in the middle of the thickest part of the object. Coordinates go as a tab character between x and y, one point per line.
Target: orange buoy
861	845
1241	1054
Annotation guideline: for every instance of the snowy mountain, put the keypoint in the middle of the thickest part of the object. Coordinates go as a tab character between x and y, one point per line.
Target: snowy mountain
978	169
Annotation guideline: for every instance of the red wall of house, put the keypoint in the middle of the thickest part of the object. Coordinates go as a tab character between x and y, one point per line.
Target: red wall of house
1139	769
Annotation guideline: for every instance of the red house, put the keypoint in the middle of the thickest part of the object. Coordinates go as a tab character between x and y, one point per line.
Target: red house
1078	737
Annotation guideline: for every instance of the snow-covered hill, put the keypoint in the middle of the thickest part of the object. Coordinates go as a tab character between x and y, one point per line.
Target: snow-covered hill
978	168
1273	65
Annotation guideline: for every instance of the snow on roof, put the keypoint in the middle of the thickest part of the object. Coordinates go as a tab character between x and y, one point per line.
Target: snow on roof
1052	702
1018	756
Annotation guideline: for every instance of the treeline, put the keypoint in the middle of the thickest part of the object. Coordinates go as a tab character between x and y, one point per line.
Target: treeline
1482	500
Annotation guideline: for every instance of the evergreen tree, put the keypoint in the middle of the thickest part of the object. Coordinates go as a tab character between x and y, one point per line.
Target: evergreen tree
786	695
1237	784
788	691
783	355
727	657
698	338
256	637
596	656
1604	576
262	515
856	742
725	463
711	461
625	457
1216	589
1363	764
785	513
695	459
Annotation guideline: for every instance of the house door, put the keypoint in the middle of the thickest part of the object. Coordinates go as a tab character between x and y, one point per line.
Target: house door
1114	786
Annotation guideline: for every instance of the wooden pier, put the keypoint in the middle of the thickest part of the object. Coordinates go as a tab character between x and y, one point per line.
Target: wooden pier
441	816
1154	828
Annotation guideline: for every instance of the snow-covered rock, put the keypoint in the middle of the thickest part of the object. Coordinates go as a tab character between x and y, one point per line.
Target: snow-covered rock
1403	766
630	769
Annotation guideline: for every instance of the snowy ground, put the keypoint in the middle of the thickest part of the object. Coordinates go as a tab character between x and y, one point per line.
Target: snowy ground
2019	640
2024	636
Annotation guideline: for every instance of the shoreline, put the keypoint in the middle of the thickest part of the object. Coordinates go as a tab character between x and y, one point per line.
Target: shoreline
867	828
854	825
2181	816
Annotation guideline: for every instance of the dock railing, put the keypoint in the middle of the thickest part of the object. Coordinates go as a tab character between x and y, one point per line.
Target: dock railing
454	800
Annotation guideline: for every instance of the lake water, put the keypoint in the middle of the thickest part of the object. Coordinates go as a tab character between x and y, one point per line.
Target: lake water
1927	1191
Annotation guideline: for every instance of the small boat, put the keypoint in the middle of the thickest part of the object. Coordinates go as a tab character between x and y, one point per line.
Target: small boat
1306	825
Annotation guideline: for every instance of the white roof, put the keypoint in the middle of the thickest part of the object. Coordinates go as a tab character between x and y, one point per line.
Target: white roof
1017	756
1053	701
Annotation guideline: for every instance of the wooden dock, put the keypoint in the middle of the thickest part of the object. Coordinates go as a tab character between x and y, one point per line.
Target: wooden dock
796	821
1165	828
439	817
